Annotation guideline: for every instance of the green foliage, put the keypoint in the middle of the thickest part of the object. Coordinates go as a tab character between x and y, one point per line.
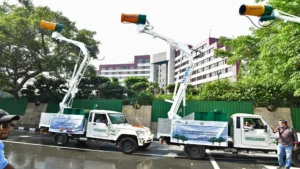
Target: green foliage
171	88
89	86
26	50
143	98
109	90
153	88
45	89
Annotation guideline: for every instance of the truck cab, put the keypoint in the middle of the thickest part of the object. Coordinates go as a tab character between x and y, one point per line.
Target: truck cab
111	125
258	135
101	125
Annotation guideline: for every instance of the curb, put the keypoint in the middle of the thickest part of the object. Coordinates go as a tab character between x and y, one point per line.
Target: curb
27	129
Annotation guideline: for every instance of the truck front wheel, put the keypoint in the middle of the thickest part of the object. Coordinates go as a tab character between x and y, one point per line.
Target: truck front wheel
128	145
194	151
61	139
296	158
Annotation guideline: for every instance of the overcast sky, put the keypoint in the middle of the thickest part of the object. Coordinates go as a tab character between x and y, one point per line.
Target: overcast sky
187	21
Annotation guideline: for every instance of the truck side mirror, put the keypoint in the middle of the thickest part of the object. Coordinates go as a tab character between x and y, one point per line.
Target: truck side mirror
266	128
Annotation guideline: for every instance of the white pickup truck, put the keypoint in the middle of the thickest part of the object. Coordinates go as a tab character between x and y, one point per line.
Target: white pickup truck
196	135
114	129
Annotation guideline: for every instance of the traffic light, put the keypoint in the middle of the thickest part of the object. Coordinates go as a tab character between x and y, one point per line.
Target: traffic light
265	12
51	26
134	18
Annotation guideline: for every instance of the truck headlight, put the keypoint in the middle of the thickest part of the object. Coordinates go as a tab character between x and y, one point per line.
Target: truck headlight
140	133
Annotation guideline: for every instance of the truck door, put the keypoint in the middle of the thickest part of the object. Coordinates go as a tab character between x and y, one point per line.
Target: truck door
254	135
99	126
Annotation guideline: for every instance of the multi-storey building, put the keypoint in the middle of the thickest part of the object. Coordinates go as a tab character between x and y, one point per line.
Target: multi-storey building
162	66
206	67
140	68
169	67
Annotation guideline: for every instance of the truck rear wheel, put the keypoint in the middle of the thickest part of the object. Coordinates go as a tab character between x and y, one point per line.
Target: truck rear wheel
296	158
128	145
194	151
61	139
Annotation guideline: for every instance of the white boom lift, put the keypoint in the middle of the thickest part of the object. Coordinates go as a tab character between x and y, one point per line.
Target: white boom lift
199	135
78	72
143	26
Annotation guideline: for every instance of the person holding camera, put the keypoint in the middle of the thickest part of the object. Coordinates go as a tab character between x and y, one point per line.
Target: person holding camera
287	142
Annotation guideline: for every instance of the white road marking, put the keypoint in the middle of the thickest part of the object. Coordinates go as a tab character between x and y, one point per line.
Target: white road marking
212	160
24	136
31	129
21	128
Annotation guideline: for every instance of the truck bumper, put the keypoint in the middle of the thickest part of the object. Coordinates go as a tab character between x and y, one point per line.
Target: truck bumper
144	140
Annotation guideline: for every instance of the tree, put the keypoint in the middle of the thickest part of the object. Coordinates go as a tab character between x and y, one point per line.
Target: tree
135	84
190	89
45	89
269	54
153	88
115	80
171	88
110	90
89	86
26	50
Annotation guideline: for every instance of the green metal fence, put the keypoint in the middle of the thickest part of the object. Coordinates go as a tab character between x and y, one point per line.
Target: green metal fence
114	105
53	107
295	113
160	108
17	107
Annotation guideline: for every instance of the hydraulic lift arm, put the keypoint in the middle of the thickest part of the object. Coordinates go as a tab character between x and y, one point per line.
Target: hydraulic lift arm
78	72
143	26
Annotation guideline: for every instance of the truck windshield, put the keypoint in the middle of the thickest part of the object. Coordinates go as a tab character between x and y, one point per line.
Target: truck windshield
117	118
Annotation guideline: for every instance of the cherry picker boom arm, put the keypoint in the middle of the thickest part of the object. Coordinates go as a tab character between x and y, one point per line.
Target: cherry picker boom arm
142	27
78	73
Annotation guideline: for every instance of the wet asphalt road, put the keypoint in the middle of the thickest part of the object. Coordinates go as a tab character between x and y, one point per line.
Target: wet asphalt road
30	150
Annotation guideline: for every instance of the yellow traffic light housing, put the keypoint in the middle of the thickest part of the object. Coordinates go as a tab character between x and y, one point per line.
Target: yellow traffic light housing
134	18
265	12
51	26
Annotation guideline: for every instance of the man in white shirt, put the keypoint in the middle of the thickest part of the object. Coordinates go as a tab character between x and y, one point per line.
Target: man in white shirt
5	127
248	125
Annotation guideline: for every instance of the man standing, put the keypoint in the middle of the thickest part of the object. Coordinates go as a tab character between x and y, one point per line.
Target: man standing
286	144
5	127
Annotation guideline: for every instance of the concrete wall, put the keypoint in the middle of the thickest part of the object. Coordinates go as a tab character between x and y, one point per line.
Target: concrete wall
141	116
273	117
32	114
153	127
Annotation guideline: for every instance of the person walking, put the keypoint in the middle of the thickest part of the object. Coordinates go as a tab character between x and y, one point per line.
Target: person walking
287	142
